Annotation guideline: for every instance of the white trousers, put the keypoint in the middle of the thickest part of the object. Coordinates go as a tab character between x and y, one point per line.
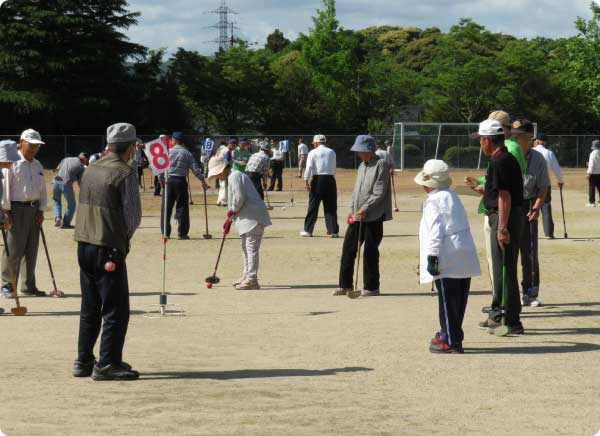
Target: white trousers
487	235
222	199
251	247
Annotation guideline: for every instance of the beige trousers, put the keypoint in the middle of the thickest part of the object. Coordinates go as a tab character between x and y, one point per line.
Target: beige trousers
251	247
487	235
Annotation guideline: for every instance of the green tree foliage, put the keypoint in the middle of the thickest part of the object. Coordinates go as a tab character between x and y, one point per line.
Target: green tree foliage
276	42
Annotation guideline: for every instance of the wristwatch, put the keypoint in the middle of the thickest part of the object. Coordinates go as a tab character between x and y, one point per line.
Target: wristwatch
504	230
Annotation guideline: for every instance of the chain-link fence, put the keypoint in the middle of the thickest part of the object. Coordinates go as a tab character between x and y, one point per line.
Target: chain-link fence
459	151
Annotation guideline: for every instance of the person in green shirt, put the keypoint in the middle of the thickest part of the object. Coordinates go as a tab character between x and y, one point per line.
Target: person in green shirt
241	154
477	184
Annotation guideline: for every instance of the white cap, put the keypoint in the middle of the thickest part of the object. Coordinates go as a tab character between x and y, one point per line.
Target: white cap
319	139
32	137
489	128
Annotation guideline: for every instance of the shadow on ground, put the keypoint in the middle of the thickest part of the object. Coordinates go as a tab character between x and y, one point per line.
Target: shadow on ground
544	348
250	373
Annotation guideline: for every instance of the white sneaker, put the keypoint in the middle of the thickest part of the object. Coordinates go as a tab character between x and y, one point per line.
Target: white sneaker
335	236
305	234
535	302
57	222
248	285
525	300
591	205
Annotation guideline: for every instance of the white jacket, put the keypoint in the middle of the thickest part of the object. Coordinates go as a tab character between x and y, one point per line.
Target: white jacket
445	233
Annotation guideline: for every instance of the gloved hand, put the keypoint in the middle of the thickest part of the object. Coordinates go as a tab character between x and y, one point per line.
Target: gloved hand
433	266
230	213
227	226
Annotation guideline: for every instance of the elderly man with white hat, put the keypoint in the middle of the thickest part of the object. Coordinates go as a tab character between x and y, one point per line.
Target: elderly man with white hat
24	200
371	205
108	215
593	173
8	156
447	254
319	179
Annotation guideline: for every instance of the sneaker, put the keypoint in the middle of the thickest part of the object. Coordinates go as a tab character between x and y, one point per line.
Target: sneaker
121	371
486	309
591	205
32	293
437	339
248	285
239	281
6	291
67	227
183	238
535	302
525	299
305	234
367	293
57	222
341	291
444	348
489	324
83	369
550	237
335	236
517	329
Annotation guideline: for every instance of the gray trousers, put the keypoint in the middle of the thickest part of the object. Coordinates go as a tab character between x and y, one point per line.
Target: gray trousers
23	242
251	247
547	220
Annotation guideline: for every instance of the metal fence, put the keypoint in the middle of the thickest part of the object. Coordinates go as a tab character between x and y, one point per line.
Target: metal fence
458	150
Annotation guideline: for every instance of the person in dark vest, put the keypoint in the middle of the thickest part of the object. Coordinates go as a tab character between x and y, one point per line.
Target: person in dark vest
108	215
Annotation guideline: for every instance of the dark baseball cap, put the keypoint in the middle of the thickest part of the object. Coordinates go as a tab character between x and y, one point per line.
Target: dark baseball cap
541	137
179	136
522	126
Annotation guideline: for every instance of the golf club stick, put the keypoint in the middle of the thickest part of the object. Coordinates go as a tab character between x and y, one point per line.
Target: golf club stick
531	257
207	235
503	330
269	207
190	190
291	180
394	189
213	280
162	299
19	310
55	291
355	293
562	205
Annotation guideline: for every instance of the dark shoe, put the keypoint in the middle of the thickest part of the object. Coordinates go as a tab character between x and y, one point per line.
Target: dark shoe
489	324
367	293
516	329
32	293
486	309
444	348
6	291
121	371
83	369
67	226
183	238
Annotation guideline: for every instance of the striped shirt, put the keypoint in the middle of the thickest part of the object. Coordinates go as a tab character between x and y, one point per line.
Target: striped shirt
181	161
258	163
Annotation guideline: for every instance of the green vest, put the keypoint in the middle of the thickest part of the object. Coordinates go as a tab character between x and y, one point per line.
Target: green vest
240	154
100	212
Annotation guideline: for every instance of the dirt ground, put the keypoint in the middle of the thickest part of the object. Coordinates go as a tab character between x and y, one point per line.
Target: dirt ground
291	359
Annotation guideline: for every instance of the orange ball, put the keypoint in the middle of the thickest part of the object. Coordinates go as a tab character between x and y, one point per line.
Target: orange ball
209	285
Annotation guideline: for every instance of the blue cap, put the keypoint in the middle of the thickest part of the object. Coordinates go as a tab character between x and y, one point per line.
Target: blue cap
244	139
179	136
232	141
364	143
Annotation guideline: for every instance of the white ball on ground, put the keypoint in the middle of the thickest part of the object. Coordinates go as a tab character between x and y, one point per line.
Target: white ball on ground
283	208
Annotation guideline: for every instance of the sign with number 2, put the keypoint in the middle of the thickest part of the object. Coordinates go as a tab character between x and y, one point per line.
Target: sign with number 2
157	152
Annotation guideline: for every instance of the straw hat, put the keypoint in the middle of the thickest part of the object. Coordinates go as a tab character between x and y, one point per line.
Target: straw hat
216	165
434	175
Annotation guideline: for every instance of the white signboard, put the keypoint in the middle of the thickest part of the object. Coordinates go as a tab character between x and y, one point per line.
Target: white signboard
157	152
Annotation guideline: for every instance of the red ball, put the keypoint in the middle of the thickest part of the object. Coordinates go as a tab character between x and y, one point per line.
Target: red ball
110	266
209	285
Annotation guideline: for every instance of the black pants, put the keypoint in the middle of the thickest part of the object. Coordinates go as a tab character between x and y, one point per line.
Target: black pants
594	184
547	220
257	181
452	297
177	194
277	174
371	234
156	185
512	301
104	297
528	248
322	188
140	175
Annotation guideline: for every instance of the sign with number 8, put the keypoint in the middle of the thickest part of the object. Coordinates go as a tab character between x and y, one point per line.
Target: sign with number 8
157	152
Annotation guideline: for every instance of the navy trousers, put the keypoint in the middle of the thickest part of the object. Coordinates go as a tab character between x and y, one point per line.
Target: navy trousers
322	189
177	195
452	297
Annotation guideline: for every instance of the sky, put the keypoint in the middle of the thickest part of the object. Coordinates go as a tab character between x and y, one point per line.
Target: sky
184	23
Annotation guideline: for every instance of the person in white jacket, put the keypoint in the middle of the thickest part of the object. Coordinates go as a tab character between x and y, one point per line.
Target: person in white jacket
593	173
248	211
448	255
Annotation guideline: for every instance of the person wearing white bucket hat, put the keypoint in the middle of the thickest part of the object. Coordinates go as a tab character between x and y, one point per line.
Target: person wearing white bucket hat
447	254
24	200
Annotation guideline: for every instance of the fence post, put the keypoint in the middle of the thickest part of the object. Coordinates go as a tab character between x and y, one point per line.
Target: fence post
577	153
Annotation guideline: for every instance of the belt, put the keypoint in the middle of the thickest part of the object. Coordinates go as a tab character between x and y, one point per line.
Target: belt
33	203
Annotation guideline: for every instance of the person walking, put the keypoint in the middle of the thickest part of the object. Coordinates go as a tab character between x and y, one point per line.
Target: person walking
24	200
108	215
536	184
258	168
241	155
447	254
503	199
277	165
9	155
181	161
319	179
593	173
70	170
248	211
371	206
302	155
539	145
226	152
141	161
383	153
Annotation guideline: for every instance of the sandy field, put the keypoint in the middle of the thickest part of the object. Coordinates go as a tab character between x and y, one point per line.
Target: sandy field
291	359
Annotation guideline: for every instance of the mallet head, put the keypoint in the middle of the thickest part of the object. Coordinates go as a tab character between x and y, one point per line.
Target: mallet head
353	294
502	330
207	236
213	280
19	311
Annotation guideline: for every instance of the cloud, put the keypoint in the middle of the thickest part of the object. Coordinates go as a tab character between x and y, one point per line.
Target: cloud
186	23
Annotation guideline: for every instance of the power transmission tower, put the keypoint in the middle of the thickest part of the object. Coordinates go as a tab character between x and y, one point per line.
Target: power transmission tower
225	41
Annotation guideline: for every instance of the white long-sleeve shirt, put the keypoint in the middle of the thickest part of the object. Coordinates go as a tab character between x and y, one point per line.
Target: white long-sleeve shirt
445	232
553	165
321	161
302	149
24	181
594	162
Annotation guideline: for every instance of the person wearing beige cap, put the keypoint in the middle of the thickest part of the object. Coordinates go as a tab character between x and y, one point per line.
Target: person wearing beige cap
447	254
247	210
24	200
8	156
319	179
108	215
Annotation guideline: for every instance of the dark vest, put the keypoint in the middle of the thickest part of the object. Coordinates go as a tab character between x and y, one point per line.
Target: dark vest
100	212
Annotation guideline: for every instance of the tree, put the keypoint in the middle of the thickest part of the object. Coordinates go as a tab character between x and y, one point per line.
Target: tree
276	42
